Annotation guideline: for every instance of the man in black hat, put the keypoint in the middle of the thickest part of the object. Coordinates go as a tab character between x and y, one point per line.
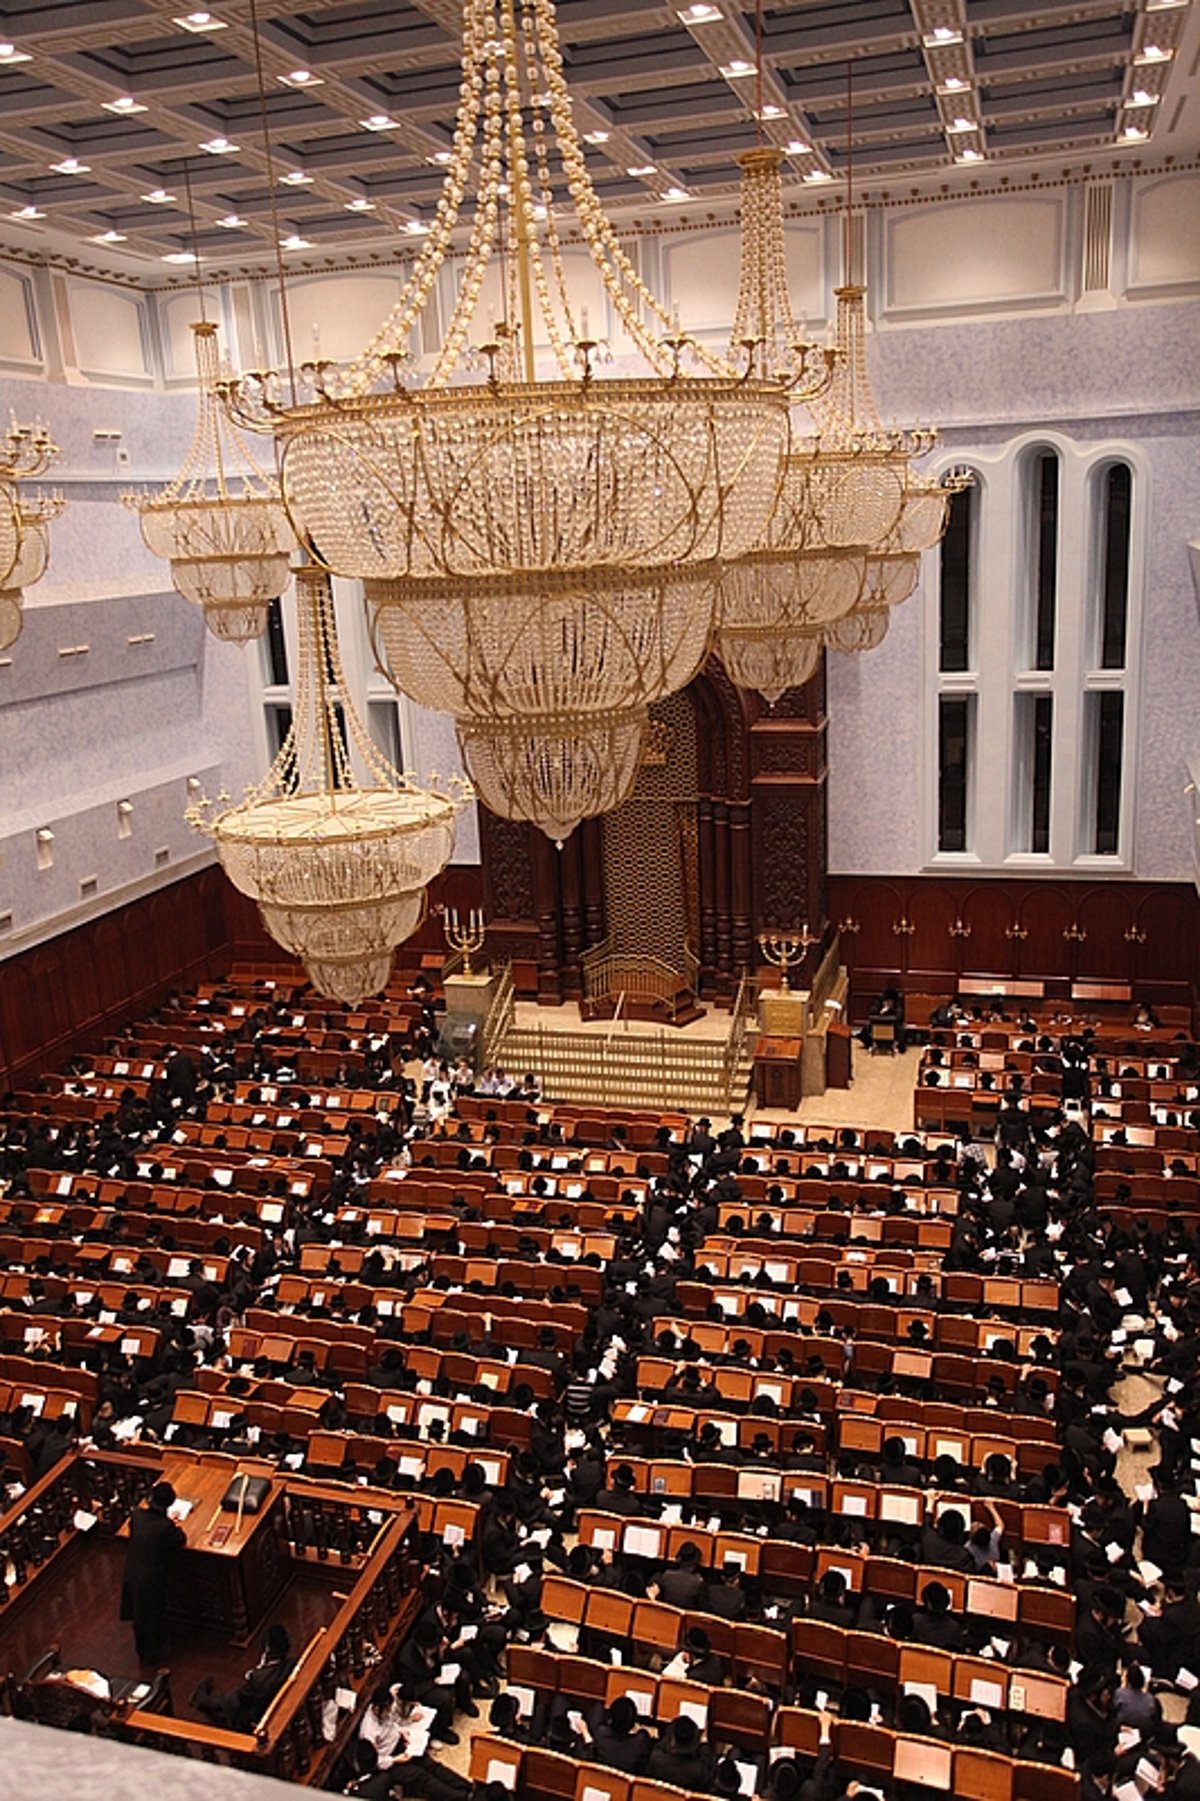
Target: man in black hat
615	1739
154	1543
241	1708
682	1757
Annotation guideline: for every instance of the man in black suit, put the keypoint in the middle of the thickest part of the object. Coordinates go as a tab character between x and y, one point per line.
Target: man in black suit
682	1757
154	1542
243	1707
616	1741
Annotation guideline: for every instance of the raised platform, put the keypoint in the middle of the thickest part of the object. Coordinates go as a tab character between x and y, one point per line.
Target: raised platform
698	1067
678	1009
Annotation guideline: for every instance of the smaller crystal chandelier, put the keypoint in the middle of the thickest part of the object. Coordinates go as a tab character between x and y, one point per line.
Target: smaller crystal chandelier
220	524
27	452
339	869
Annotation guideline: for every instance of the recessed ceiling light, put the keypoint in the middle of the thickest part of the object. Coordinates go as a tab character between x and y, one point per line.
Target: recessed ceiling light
736	69
797	147
361	205
124	106
596	137
642	169
968	155
771	111
1164	6
676	194
27	212
953	84
942	35
294	241
296	178
302	78
9	54
200	21
700	15
232	221
1141	97
378	122
1134	134
416	228
159	197
180	256
962	124
1153	53
220	147
71	165
440	156
109	237
815	175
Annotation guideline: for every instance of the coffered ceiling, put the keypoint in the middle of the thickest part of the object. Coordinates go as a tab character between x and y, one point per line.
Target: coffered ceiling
110	109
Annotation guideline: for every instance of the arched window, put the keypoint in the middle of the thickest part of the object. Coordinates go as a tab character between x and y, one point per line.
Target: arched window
1034	642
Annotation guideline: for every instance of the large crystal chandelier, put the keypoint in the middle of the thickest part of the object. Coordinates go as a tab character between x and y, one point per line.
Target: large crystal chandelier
338	866
26	452
540	555
220	524
844	540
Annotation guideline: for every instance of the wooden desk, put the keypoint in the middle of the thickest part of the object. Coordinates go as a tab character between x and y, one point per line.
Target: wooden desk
777	1071
232	1573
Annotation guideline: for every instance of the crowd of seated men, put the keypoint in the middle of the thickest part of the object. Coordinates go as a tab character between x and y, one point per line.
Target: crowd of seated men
736	1581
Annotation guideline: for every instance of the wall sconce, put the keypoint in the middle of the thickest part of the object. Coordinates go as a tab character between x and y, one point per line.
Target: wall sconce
959	930
904	928
849	925
1133	936
1074	933
1016	931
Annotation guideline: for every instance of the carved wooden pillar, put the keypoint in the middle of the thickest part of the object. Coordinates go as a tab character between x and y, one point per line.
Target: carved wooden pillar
721	887
547	894
708	893
569	873
591	851
788	787
740	890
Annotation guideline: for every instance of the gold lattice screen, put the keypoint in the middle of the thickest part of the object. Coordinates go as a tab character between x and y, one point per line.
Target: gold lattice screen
651	880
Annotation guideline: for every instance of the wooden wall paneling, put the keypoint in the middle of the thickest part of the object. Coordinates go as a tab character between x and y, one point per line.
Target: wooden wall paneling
1169	918
1106	954
112	951
1045	911
68	994
933	956
874	905
992	909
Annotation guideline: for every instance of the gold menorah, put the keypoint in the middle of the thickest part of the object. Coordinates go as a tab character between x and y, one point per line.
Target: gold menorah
466	939
783	949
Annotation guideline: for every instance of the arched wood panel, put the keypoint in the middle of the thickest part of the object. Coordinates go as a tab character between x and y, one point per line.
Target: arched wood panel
990	909
1172	935
1106	954
1045	911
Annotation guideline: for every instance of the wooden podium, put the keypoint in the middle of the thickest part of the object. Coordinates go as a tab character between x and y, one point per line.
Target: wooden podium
777	1081
838	1039
233	1570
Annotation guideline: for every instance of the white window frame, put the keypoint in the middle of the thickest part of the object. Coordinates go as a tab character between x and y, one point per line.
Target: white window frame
999	654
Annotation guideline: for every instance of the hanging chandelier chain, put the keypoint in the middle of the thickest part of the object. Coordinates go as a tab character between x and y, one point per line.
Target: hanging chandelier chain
484	225
269	155
392	338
